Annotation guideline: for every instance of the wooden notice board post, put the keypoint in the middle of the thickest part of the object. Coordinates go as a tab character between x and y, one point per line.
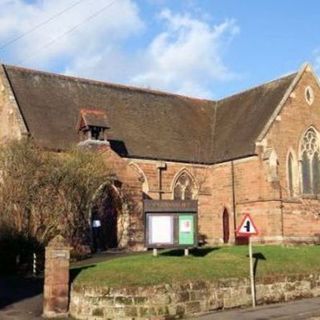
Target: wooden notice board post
247	229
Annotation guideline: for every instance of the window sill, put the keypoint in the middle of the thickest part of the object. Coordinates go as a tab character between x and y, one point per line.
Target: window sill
311	196
298	198
294	199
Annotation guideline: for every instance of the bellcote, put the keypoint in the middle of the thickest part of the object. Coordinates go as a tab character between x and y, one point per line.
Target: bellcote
93	125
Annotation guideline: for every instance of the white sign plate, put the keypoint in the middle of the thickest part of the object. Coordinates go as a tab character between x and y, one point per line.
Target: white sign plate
247	227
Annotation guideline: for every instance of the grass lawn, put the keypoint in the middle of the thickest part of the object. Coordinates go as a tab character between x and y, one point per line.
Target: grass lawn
202	264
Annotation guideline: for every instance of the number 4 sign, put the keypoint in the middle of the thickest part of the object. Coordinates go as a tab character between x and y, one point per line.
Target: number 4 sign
247	227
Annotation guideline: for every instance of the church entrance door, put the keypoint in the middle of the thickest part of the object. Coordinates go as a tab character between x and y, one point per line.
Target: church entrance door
105	214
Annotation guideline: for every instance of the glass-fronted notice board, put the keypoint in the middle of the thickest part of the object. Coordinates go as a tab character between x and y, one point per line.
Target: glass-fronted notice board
171	223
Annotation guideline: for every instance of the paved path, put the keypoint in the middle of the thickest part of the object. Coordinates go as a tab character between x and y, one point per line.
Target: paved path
104	256
296	310
21	298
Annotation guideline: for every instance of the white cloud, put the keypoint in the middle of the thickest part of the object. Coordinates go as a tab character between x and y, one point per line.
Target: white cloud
111	64
118	21
187	56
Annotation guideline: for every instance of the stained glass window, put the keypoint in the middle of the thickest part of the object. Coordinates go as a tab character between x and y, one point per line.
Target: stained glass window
310	163
316	173
178	192
290	174
306	178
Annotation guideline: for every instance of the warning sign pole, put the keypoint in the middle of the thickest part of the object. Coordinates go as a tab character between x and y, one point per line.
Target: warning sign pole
247	229
253	292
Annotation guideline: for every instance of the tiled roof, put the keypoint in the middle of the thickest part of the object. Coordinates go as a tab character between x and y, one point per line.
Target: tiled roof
145	123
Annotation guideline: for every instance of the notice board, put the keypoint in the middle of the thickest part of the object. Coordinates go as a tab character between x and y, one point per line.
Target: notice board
171	223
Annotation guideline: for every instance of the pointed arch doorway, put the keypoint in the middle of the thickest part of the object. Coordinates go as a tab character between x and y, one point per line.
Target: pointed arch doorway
106	213
225	226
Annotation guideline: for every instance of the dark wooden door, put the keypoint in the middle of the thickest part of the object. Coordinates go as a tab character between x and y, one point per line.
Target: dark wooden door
225	224
109	222
106	211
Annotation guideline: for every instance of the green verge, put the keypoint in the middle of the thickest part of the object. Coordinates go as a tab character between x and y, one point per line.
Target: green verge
203	264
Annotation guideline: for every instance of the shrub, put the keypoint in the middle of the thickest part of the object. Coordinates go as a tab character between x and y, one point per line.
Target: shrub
43	193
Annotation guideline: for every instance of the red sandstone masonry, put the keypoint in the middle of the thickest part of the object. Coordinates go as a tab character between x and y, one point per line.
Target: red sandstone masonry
133	185
278	217
56	283
301	216
186	299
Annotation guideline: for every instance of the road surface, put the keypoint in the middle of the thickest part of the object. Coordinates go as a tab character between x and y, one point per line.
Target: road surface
295	310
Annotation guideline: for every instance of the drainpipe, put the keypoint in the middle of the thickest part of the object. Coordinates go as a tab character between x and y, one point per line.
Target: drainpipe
234	206
160	166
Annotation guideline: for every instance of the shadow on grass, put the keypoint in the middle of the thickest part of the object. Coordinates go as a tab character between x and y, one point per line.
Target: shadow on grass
196	252
258	256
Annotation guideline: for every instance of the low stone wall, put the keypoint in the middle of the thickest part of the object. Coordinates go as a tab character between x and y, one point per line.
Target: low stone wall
178	300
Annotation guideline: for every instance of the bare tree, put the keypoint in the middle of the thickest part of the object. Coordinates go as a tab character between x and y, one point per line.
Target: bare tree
45	193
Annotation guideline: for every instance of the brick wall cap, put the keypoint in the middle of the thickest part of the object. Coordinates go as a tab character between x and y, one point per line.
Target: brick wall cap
59	242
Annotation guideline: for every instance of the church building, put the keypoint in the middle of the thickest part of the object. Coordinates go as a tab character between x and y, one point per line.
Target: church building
256	152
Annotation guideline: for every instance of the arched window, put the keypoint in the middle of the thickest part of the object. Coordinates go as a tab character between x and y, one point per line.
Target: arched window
273	167
290	174
177	192
316	173
184	188
310	163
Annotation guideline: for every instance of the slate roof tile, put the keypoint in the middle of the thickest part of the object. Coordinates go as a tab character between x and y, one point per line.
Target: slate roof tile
145	123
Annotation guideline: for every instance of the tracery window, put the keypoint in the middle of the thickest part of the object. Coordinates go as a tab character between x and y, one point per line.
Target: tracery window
290	174
184	188
310	163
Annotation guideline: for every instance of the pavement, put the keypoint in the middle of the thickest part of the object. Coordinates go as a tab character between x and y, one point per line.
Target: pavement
104	256
20	298
305	309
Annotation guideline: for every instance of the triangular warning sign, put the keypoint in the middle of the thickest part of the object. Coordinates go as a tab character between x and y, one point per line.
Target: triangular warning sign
247	227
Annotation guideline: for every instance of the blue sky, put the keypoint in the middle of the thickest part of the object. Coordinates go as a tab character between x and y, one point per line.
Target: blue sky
203	48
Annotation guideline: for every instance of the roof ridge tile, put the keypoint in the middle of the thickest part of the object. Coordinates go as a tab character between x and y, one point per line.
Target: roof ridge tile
259	86
105	84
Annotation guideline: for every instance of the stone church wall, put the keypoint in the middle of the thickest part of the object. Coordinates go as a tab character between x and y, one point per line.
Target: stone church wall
253	185
250	185
301	213
11	123
243	188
